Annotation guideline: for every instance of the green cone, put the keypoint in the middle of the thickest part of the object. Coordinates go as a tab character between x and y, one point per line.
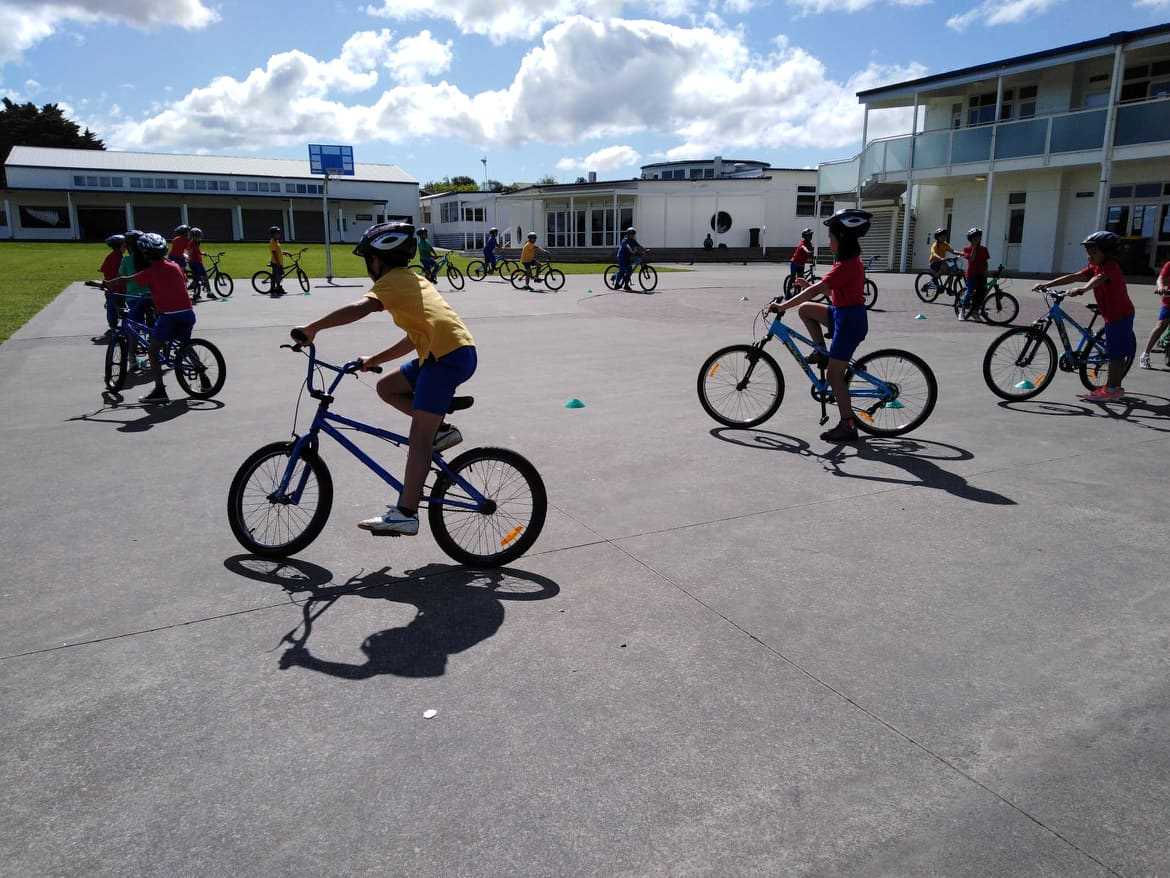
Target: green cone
574	403
1025	385
893	404
919	316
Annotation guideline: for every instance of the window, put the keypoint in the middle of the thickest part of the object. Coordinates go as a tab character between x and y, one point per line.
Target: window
721	222
480	215
290	187
187	184
826	209
1117	219
1027	102
78	180
811	189
708	173
426	215
135	183
1146	81
213	185
363	217
104	181
44	218
468	214
241	186
91	181
805	205
956	115
253	186
1017	197
224	185
1145	219
172	183
301	189
1147	190
201	185
1015	233
1095	99
160	183
1084	195
981	109
381	218
263	186
1121	192
3	217
696	173
116	181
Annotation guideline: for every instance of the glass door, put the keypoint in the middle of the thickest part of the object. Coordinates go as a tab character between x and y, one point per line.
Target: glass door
1014	238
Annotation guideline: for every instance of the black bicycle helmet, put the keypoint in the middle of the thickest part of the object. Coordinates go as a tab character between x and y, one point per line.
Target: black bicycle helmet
196	232
941	233
115	241
422	233
153	246
181	230
274	230
1107	241
131	235
387	238
493	231
807	234
532	236
974	232
631	231
852	222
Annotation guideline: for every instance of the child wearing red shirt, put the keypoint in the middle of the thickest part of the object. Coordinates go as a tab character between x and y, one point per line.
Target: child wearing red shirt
195	261
176	318
114	285
800	254
977	257
179	244
844	284
1161	288
1108	285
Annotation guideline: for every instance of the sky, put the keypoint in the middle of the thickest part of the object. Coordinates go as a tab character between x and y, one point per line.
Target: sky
537	87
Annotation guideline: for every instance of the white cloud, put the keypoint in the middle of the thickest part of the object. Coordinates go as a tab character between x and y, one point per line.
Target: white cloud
32	86
816	7
994	12
700	85
606	159
418	58
24	23
1152	4
520	19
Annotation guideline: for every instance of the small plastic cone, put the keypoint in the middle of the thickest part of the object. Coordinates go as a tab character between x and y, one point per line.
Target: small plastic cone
1025	385
919	316
574	403
894	404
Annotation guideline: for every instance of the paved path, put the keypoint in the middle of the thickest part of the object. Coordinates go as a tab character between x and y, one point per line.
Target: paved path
731	652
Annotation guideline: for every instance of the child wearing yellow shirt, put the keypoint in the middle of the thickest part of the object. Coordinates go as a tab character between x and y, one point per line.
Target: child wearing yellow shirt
939	251
528	254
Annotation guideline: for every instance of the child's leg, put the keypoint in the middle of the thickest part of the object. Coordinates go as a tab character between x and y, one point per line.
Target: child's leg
112	310
397	389
152	351
1159	328
1119	346
423	427
815	316
836	370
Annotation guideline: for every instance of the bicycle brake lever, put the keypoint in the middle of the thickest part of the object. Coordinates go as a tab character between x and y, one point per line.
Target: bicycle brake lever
291	347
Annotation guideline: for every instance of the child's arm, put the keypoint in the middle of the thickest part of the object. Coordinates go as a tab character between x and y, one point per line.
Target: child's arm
807	294
342	316
1061	281
1091	285
399	349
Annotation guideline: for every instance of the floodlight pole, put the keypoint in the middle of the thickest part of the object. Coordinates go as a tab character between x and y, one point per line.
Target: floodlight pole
328	242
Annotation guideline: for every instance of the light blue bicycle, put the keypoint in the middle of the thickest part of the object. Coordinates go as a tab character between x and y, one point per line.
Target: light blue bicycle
486	507
892	392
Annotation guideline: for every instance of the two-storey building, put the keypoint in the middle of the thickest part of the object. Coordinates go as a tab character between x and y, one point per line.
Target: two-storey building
1038	150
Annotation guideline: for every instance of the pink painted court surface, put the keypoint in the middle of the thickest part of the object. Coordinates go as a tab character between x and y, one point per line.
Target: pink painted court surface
730	651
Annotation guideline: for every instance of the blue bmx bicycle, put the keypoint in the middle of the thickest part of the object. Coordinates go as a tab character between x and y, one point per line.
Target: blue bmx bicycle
1023	361
486	507
892	391
197	363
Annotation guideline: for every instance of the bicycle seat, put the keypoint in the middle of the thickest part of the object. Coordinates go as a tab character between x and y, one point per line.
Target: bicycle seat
1092	306
460	403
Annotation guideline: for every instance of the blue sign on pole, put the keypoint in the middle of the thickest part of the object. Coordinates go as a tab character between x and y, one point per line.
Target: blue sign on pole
336	161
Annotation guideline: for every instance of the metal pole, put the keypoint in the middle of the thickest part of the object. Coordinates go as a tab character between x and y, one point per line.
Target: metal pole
328	243
861	155
908	201
11	222
74	229
1107	146
991	161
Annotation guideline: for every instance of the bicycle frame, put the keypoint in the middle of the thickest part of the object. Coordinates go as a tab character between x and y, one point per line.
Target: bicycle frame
323	422
881	391
1056	314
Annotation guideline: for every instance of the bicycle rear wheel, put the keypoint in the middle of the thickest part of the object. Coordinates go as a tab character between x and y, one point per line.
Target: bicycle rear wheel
519	279
274	529
1094	367
262	282
224	285
609	277
477	270
200	369
510	524
926	287
1000	308
1020	363
303	280
454	277
740	386
648	278
117	358
916	392
554	279
871	294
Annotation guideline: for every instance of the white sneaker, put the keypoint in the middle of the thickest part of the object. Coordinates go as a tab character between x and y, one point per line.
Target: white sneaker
447	437
392	524
1144	361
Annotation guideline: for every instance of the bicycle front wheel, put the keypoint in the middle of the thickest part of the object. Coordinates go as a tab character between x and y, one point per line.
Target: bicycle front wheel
200	369
740	386
554	279
303	280
648	278
117	358
507	527
477	270
914	392
1020	364
871	294
454	277
1094	370
224	285
1000	308
609	277
925	286
272	528
262	282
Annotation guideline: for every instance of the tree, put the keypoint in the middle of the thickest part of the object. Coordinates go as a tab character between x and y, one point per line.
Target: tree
25	125
450	184
494	186
547	180
581	180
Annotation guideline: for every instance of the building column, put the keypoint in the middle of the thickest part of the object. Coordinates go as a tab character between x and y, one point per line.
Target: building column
714	223
1110	128
129	215
237	223
572	221
991	163
861	155
292	228
10	219
616	233
72	209
183	216
908	201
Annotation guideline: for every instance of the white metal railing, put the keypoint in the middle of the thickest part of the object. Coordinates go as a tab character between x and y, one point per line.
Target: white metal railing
1038	136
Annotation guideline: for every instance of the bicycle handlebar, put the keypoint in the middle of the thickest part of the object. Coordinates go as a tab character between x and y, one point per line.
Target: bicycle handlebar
350	368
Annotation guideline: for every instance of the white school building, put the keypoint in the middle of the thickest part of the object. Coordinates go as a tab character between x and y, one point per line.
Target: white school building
742	205
1038	150
82	194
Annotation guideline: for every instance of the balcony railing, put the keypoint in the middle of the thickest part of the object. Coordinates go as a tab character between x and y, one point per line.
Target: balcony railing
1137	123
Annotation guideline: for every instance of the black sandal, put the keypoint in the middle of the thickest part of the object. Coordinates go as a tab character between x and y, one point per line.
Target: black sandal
846	431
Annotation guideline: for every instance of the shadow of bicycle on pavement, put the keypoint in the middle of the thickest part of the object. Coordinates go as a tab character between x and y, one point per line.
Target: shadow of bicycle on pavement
140	418
1146	410
456	608
916	457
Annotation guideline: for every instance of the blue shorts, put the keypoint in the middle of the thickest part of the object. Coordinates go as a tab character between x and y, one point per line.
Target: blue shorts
796	268
850	326
175	326
434	381
1119	339
1164	312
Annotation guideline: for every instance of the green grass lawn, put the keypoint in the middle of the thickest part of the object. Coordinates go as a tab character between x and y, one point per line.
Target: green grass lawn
31	274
